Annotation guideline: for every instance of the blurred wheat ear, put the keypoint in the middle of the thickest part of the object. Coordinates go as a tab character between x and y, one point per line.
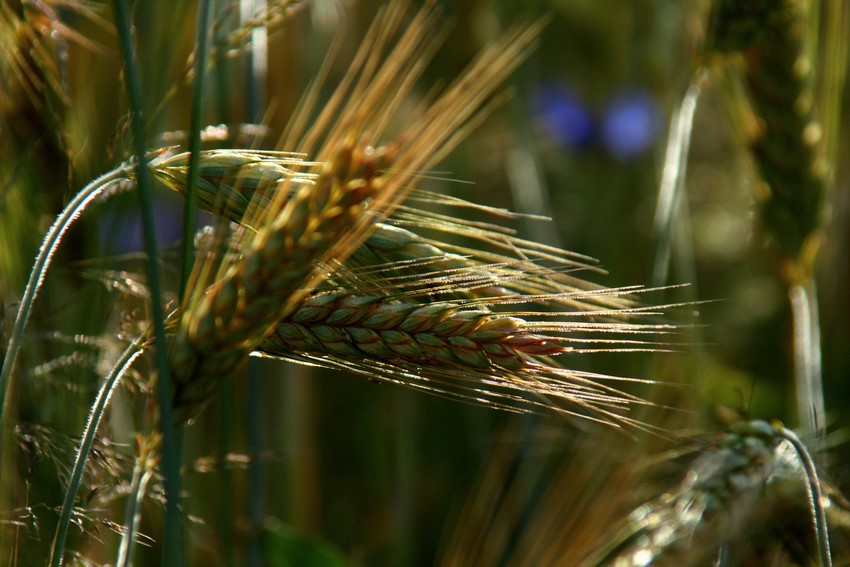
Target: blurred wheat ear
754	494
788	147
793	56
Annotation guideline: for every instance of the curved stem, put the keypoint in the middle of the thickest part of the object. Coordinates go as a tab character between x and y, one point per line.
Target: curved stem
89	433
75	208
815	495
142	474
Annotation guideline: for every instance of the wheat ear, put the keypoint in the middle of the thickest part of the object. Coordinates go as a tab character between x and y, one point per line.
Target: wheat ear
793	159
788	148
233	183
224	325
320	216
352	325
461	350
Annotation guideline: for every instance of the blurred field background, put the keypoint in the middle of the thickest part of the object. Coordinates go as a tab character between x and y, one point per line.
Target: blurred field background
300	466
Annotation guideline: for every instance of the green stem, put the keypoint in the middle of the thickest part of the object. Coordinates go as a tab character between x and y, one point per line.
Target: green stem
89	433
255	87
187	252
255	468
226	482
75	208
172	553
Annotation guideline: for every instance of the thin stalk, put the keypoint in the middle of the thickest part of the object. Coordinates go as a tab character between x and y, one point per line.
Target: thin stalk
187	253
673	179
63	222
816	500
98	409
807	358
142	473
228	399
255	468
172	553
722	557
257	58
222	76
226	483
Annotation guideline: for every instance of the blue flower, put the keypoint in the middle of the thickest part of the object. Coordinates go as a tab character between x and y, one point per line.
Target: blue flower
631	124
564	116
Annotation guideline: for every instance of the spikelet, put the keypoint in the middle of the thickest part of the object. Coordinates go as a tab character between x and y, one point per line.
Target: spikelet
232	182
458	349
323	210
356	326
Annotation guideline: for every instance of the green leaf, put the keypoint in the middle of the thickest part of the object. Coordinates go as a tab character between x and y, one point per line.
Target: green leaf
282	545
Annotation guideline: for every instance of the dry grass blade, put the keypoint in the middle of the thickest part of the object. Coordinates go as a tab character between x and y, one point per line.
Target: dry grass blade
522	513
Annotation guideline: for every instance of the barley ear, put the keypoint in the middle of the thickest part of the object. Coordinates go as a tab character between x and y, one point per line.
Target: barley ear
225	323
321	215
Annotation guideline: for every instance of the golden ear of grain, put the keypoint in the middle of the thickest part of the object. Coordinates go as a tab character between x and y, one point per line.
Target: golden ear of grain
221	326
356	326
461	349
232	182
322	214
314	220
